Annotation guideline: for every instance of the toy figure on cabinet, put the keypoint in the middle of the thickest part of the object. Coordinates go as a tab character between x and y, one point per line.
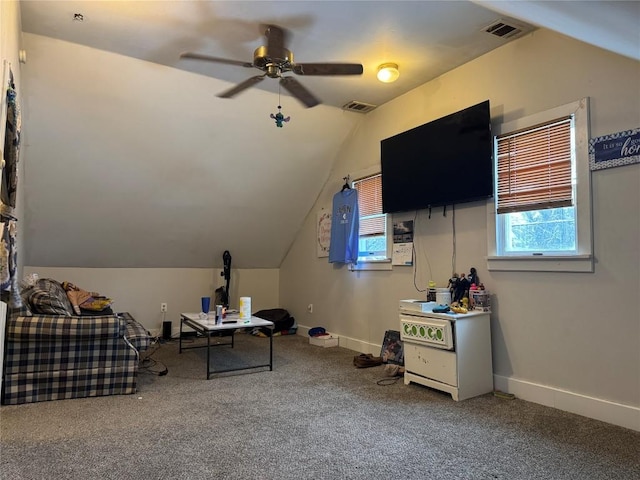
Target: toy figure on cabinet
453	284
473	277
461	288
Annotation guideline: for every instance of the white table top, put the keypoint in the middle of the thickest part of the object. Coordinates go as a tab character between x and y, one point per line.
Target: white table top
234	321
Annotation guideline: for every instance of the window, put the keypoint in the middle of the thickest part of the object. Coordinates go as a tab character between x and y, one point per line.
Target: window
540	218
535	189
373	238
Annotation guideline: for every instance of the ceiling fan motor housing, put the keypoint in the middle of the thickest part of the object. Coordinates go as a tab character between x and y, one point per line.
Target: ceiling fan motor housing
265	57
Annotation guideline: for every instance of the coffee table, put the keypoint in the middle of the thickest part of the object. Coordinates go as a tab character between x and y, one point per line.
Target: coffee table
231	323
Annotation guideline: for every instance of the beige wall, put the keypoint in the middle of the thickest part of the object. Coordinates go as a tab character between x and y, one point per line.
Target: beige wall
567	340
140	291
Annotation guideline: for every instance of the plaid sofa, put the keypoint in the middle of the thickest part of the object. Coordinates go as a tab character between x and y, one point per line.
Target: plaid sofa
54	356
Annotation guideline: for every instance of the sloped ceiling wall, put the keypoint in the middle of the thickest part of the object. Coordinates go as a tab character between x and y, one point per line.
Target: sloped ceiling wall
135	164
105	133
612	25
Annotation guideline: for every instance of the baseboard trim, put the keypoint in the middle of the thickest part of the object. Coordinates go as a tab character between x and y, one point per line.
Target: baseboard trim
610	412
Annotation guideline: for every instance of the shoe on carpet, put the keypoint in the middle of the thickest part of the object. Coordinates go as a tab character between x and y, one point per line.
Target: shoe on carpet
365	360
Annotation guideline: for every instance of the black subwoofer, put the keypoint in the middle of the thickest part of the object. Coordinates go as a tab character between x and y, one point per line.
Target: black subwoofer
166	330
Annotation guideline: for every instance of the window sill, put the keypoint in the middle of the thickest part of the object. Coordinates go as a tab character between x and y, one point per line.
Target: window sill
371	265
541	263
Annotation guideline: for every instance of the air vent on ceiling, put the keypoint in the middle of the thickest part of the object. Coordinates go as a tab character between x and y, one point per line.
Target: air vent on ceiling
359	107
503	29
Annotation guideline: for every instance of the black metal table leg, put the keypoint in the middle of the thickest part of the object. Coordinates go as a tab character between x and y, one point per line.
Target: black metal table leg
208	354
271	349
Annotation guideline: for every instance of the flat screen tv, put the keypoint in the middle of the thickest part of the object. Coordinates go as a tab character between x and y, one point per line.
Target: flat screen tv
444	162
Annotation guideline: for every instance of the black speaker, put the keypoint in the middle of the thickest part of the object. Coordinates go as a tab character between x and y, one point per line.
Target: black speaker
166	330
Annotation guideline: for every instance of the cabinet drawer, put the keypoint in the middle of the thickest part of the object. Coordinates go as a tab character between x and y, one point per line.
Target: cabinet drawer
432	363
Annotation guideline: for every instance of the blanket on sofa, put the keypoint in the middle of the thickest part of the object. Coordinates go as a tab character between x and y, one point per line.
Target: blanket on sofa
82	300
46	296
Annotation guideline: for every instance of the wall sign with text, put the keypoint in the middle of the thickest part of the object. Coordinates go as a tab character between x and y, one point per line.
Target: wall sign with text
614	150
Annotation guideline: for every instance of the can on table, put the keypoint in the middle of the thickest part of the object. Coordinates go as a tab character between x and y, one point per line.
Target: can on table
245	309
218	314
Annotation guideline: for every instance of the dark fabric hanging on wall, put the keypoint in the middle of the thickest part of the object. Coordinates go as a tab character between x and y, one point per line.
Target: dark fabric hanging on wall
8	262
11	151
8	223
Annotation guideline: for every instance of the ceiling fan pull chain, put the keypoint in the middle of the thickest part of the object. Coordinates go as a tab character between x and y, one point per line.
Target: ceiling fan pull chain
279	117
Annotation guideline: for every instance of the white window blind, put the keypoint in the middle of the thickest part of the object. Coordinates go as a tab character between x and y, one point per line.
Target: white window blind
372	220
535	168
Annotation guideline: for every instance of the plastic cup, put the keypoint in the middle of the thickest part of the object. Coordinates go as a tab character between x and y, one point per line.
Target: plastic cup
206	304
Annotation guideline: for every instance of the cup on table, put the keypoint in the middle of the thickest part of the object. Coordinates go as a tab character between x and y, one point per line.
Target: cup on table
206	304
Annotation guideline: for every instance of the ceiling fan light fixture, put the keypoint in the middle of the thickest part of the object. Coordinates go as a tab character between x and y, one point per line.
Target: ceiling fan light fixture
388	72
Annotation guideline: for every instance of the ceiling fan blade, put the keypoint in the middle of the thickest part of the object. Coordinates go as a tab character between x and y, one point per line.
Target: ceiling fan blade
249	82
209	58
328	69
296	89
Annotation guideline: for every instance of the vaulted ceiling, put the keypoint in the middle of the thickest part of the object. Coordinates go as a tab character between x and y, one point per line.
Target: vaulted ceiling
131	160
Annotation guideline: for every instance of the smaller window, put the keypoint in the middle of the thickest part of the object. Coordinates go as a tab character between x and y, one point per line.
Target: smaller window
373	237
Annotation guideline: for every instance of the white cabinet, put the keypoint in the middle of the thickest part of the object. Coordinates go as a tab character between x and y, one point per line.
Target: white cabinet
451	353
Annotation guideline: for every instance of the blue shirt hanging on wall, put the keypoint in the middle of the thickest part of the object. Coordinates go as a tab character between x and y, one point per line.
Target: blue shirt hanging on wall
345	227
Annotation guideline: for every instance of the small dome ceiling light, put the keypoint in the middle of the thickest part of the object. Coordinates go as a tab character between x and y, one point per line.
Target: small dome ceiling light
388	72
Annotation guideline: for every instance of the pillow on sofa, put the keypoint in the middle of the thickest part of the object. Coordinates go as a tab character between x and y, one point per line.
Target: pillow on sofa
49	298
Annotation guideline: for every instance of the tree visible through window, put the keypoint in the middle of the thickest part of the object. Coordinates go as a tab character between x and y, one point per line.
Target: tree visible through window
539	230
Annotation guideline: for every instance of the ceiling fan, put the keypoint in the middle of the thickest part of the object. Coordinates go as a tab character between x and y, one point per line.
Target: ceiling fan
275	60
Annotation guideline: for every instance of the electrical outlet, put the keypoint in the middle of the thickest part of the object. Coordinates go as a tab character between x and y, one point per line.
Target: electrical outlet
310	308
163	307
